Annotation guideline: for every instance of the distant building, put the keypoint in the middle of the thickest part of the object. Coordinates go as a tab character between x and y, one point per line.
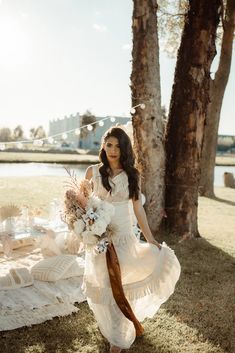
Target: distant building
226	144
60	126
226	140
93	138
73	122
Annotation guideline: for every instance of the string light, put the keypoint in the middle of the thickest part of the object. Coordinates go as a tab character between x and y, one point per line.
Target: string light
132	111
141	105
64	135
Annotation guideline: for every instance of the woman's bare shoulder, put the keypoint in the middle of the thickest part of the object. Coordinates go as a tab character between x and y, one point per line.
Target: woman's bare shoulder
92	171
89	172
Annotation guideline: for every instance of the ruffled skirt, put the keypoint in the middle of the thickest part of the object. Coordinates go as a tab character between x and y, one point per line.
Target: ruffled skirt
149	276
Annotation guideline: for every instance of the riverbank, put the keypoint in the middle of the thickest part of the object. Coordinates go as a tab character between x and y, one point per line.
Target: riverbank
190	321
68	158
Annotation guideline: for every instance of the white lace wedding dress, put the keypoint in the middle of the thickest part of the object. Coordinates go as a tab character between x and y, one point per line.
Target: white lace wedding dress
148	274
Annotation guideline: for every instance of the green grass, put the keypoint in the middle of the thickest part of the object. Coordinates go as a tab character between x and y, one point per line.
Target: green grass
198	317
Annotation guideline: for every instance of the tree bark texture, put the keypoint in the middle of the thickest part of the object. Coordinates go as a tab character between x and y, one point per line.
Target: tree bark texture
188	108
217	89
148	127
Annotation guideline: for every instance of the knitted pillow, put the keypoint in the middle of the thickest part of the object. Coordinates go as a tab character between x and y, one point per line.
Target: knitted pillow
58	267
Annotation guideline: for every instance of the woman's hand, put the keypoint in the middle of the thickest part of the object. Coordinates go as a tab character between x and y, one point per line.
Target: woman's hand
155	243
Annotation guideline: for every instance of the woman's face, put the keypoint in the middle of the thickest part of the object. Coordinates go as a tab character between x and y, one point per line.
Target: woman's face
112	149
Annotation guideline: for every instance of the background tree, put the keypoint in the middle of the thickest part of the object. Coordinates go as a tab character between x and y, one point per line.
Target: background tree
32	132
188	108
217	89
171	19
18	133
5	134
86	119
148	126
37	133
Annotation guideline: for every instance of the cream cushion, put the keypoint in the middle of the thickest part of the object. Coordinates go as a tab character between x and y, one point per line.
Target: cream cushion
58	267
16	278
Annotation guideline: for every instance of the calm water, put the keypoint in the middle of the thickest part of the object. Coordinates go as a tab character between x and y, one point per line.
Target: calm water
40	169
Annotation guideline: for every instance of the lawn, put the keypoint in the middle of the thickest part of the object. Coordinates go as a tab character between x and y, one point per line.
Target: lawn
198	317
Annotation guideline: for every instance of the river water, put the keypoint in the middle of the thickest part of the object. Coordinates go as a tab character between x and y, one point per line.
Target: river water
53	169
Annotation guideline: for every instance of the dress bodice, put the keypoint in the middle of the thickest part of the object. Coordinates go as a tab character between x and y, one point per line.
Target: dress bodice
119	185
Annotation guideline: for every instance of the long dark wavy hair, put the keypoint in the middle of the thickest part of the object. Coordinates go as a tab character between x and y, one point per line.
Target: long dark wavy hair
127	160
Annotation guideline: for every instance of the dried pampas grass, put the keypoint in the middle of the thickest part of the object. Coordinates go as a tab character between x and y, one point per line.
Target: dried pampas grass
9	211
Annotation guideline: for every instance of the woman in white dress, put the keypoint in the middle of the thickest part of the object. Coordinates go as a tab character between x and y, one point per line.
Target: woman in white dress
149	270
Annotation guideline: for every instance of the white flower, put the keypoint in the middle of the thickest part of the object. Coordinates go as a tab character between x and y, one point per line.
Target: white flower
101	246
99	227
94	203
92	215
78	226
89	238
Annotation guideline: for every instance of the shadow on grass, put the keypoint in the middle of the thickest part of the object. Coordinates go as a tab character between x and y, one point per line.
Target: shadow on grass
228	202
204	295
74	333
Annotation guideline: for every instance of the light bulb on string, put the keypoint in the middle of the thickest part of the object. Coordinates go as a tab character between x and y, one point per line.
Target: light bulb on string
89	127
112	119
64	136
142	106
77	132
132	111
50	140
101	123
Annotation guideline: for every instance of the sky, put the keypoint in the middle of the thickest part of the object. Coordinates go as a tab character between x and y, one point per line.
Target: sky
60	57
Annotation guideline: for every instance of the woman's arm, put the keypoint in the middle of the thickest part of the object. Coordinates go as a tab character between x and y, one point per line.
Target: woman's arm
142	221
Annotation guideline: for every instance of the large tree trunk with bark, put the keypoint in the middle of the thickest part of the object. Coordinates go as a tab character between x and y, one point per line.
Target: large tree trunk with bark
188	108
148	127
217	89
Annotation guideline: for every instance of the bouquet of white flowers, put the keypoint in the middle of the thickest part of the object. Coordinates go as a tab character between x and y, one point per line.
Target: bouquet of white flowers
88	216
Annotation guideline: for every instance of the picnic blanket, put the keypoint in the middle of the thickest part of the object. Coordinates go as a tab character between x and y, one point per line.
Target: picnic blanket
24	300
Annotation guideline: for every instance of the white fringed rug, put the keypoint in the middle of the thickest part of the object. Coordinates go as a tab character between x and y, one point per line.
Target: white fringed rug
38	302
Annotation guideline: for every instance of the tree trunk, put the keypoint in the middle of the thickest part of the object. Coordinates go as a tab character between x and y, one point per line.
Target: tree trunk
189	104
218	86
148	127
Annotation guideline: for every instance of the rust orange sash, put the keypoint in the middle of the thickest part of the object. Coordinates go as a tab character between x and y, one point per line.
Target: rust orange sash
117	289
